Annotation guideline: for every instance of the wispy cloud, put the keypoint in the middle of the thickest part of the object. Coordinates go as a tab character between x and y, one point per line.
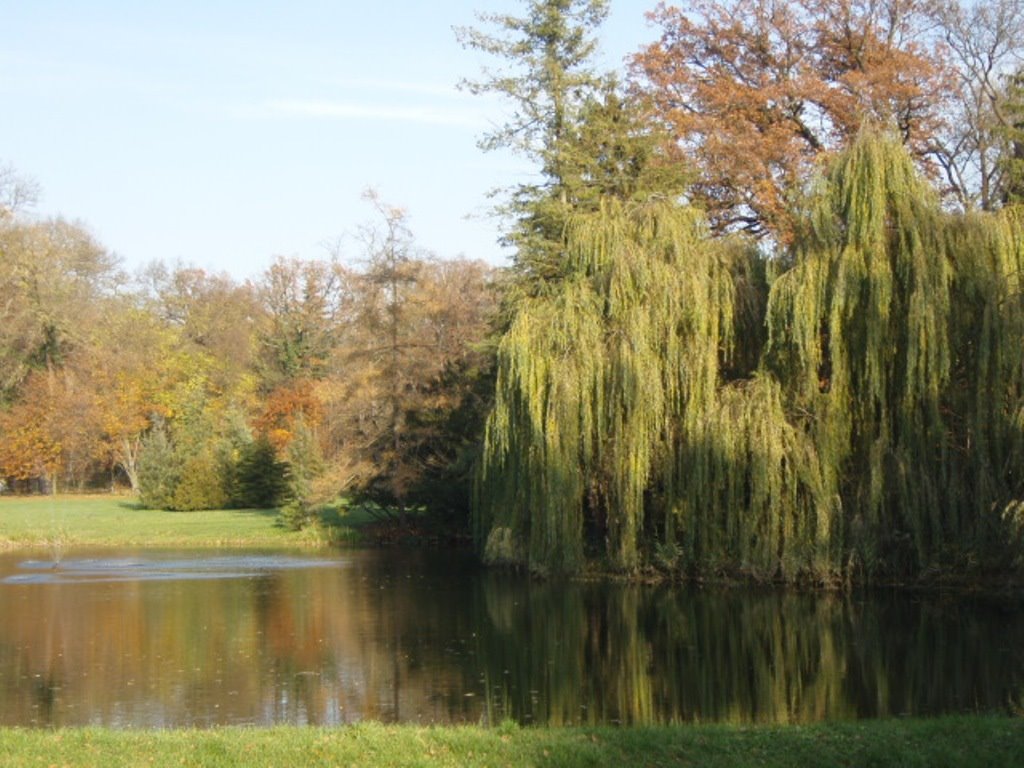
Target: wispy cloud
354	110
378	85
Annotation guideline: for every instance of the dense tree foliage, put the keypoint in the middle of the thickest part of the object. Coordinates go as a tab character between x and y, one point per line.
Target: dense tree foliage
1010	162
409	357
171	384
596	377
756	90
641	414
881	435
54	282
261	478
764	317
545	71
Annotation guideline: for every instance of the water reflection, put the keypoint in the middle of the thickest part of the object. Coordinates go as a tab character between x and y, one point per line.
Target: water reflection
149	568
413	637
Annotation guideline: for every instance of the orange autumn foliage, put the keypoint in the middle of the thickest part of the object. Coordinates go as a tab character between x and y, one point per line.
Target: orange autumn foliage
282	409
53	429
756	91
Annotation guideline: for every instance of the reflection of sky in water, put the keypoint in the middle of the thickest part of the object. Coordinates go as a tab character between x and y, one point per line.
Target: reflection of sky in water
100	569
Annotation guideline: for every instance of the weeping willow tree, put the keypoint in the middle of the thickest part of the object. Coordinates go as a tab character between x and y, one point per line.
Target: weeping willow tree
883	433
749	494
596	376
986	390
893	336
859	335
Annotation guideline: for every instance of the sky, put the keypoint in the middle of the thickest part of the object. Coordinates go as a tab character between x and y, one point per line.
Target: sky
222	134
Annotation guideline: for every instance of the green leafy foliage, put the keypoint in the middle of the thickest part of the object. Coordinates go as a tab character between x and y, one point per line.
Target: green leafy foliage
1011	160
596	378
859	335
261	478
880	437
175	473
305	464
159	470
201	484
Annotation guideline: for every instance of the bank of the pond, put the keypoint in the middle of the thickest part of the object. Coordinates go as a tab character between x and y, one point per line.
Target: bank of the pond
955	741
65	521
1007	587
69	521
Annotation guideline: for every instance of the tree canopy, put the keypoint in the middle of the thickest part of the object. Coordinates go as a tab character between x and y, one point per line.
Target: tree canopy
857	447
756	90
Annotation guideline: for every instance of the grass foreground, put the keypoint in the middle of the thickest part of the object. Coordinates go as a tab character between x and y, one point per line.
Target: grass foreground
949	741
67	521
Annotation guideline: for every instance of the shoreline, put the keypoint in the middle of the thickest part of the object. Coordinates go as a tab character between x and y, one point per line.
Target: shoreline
58	523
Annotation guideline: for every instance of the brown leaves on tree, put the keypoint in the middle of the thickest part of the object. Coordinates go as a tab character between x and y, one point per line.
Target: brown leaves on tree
756	91
284	408
54	426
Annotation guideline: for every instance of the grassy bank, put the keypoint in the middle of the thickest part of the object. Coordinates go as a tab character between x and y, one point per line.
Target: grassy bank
118	521
960	741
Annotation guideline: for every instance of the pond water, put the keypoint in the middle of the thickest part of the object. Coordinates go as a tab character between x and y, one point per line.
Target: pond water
199	639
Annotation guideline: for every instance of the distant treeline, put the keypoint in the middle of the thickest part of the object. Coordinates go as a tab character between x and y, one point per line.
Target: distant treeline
197	391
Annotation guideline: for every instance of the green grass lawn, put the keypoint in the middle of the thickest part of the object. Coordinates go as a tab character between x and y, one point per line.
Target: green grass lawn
118	521
960	741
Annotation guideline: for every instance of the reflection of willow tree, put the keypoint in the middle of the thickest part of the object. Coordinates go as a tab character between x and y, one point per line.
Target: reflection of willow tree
770	658
881	433
625	654
379	641
954	656
537	647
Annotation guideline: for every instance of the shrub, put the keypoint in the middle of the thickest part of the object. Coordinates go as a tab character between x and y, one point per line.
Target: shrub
260	478
159	470
201	485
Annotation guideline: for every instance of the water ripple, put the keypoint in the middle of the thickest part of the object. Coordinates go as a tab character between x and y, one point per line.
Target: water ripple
92	570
